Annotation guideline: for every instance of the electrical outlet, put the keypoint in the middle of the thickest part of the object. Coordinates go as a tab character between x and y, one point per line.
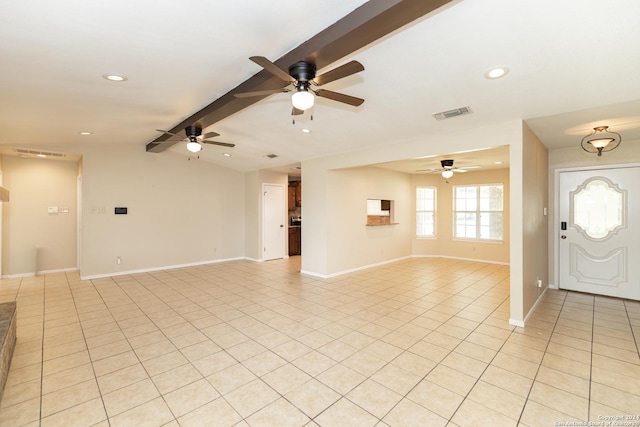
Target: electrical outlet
539	283
119	260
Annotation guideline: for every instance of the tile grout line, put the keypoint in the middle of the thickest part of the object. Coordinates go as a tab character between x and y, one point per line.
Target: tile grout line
636	340
533	382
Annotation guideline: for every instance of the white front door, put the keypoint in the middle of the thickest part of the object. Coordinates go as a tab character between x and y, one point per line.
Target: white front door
273	222
599	231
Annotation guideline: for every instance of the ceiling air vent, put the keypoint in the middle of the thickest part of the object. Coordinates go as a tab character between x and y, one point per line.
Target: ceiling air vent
39	153
452	113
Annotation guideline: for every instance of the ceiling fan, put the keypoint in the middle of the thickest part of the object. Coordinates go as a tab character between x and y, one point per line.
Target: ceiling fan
302	75
194	138
448	169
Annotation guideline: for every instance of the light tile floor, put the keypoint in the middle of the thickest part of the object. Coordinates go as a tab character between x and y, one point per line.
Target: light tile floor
422	342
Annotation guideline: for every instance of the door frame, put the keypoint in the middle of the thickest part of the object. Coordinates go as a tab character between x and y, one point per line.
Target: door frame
555	224
283	212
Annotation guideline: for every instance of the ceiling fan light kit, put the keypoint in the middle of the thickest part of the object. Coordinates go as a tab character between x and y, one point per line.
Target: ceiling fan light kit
195	139
302	75
447	166
601	139
194	146
302	99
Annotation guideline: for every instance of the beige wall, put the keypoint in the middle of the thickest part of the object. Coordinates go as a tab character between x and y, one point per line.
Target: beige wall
180	212
34	240
318	235
535	220
253	214
444	244
253	203
351	243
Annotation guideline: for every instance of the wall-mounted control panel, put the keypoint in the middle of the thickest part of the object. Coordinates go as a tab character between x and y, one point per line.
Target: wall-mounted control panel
120	211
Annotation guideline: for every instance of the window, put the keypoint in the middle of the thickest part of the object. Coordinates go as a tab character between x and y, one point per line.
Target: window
425	211
478	212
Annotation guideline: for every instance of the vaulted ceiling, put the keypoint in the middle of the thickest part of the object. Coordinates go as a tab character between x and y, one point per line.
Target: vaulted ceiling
572	65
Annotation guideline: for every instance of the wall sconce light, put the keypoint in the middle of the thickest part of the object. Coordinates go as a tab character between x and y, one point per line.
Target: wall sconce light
601	139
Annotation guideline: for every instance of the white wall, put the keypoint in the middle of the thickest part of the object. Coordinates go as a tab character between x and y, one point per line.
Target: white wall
34	240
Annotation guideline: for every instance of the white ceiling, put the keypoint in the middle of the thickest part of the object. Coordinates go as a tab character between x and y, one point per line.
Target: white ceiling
574	64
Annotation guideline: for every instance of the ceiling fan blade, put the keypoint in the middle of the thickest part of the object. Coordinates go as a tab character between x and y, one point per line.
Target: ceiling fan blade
260	93
210	135
296	112
337	73
272	68
223	144
340	97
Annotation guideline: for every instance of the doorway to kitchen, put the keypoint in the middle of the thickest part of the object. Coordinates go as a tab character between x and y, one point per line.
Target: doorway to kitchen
294	206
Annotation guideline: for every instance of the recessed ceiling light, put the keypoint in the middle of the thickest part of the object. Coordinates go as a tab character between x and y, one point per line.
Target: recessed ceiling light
498	162
226	154
305	130
41	155
496	73
85	133
115	77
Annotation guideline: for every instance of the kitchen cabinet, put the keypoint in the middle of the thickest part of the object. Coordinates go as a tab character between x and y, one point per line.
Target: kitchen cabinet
295	241
295	195
292	198
299	193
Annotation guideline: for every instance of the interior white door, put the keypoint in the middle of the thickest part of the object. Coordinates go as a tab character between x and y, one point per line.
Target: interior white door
273	222
599	235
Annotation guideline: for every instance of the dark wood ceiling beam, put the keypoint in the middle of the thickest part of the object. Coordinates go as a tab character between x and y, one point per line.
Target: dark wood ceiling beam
366	24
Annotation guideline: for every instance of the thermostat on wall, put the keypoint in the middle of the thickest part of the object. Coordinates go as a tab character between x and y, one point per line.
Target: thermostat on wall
121	211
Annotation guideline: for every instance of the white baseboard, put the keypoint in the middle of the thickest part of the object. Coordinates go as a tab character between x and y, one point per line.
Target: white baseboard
17	276
522	323
39	273
518	323
462	259
364	267
166	267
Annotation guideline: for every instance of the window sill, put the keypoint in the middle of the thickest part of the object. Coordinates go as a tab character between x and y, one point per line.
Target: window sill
491	242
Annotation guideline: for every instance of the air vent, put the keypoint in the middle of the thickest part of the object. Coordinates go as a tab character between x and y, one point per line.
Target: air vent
452	113
23	152
271	156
